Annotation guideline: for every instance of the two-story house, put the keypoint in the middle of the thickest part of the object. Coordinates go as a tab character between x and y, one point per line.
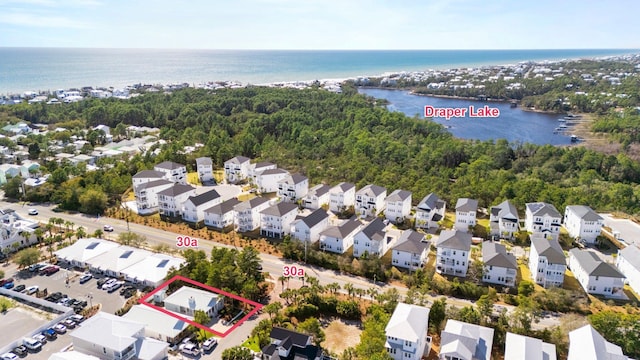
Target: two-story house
147	195
286	344
430	211
398	206
406	332
221	216
248	213
257	168
204	166
370	200
583	223
317	197
188	300
373	239
500	267
173	171
542	220
293	187
267	181
463	341
547	262
411	251
342	196
276	220
338	239
237	169
586	343
520	347
594	274
308	228
171	200
193	208
628	262
465	214
145	176
453	249
503	220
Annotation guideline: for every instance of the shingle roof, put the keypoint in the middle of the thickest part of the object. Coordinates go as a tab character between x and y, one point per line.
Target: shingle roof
412	242
495	254
593	265
251	203
399	195
632	255
263	164
292	179
550	249
428	202
274	172
176	189
342	187
148	174
238	160
454	239
204	197
280	209
375	230
505	210
372	190
408	322
466	205
169	165
152	184
318	190
315	217
297	339
342	231
541	209
223	207
204	161
584	212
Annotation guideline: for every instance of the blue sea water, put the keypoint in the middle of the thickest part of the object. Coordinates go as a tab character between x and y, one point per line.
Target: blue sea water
34	69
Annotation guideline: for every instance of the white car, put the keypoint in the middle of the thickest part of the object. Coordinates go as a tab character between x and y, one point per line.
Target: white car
190	349
108	228
107	284
31	290
41	338
209	344
60	328
33	211
9	356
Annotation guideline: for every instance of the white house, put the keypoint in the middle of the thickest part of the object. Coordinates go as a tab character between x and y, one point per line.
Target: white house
463	341
520	347
586	343
465	214
406	332
583	223
373	239
110	337
221	215
82	251
153	270
257	168
398	206
411	251
114	260
316	197
309	228
542	220
500	267
276	220
628	262
267	181
293	187
173	171
147	195
595	275
453	251
248	213
236	169
170	200
370	200
430	211
503	220
204	166
339	239
547	262
187	300
147	175
342	196
158	325
16	232
193	208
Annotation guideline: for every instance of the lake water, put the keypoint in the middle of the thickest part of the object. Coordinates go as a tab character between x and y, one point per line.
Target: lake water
513	124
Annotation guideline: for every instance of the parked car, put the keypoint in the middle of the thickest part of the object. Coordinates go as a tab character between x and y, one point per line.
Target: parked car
101	282
190	349
107	284
36	267
8	285
108	228
33	211
85	277
69	324
20	351
51	270
41	338
9	356
60	328
115	286
32	290
50	334
209	344
77	318
19	288
4	281
32	344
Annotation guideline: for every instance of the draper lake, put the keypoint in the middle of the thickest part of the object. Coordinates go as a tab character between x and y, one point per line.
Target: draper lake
513	124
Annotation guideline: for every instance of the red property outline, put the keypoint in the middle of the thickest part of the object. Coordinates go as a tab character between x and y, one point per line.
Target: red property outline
256	308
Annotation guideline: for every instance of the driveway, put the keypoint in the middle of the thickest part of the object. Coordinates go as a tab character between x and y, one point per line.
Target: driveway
629	231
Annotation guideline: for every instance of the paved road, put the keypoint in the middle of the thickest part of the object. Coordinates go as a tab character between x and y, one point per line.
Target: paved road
629	231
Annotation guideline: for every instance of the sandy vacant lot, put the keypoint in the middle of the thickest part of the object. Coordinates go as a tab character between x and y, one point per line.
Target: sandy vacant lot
340	335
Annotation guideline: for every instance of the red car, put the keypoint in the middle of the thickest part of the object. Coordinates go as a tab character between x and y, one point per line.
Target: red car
51	270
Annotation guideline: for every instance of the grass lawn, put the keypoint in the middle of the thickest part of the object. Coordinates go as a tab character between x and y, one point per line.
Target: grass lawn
218	175
525	274
245	197
252	344
192	178
631	294
483	222
448	220
570	282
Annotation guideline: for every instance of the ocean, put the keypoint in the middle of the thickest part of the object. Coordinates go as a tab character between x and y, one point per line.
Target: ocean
36	69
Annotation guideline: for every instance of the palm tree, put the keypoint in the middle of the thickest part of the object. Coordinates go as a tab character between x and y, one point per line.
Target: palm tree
282	279
59	222
69	225
39	233
350	289
98	233
80	232
333	288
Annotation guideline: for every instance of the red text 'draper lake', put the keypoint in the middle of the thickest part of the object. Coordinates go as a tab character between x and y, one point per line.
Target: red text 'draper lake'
448	113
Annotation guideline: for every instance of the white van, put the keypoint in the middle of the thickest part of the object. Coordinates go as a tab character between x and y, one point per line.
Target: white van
32	344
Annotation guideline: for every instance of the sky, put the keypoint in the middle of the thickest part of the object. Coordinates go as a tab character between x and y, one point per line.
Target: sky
321	24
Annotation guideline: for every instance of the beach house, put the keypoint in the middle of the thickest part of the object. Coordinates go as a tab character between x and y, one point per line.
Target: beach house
293	187
406	332
276	220
583	223
429	212
317	197
547	262
500	267
542	220
453	249
503	220
594	274
236	169
370	200
342	196
338	239
465	214
411	251
398	206
628	262
309	227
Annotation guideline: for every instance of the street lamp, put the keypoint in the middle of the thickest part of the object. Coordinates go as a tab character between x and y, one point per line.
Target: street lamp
90	297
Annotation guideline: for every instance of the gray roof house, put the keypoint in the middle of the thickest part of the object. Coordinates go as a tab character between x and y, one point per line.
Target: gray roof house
500	267
411	251
595	275
503	220
466	341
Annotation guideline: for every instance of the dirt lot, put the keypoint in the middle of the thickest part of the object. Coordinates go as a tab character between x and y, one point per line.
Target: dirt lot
341	335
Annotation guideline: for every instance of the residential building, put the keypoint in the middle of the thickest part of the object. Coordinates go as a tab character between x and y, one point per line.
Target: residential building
152	270
342	196
221	216
317	197
411	251
586	343
500	267
628	262
114	260
290	345
398	206
373	239
542	220
308	229
339	239
258	168
145	176
520	347
248	213
465	214
237	169
293	187
464	341
547	262
80	253
16	232
583	223
147	195
452	252
187	300
193	208
276	220
173	171
430	211
370	200
204	166
158	325
594	274
110	337
267	181
406	332
171	199
504	221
